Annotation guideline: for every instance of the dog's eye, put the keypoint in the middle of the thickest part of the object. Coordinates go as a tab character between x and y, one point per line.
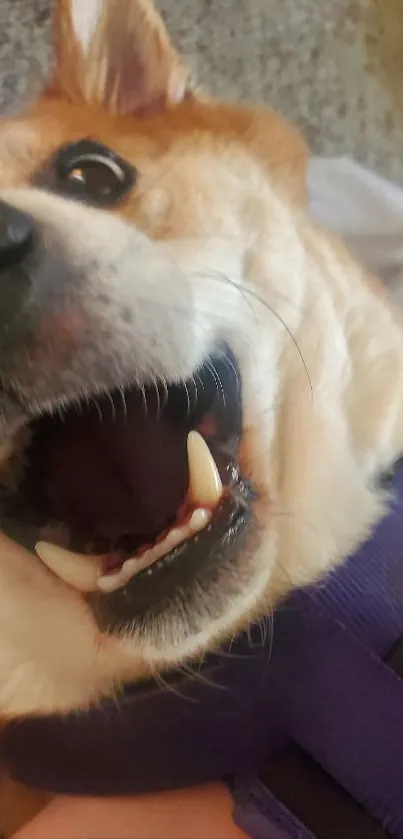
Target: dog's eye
95	179
91	172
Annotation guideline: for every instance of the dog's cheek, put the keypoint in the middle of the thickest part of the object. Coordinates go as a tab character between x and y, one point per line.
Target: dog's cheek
51	658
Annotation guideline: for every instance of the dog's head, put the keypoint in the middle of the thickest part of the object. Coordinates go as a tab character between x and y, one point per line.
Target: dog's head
180	435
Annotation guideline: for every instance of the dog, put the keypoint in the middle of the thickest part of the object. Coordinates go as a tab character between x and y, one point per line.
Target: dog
200	388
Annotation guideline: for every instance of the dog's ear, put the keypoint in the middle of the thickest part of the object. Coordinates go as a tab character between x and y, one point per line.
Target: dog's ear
115	54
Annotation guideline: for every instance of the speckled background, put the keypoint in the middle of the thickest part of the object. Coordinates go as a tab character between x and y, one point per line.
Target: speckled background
334	66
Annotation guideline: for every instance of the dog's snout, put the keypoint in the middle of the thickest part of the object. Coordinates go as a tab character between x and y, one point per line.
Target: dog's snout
16	235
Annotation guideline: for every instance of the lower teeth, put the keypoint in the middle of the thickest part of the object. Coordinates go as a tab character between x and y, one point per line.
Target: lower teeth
198	521
86	573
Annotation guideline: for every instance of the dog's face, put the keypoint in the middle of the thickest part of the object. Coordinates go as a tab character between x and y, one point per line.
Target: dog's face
184	410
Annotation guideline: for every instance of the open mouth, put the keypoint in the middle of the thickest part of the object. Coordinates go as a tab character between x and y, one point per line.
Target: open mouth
136	483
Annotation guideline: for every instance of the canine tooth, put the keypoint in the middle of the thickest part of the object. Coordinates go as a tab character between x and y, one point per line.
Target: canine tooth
205	487
77	570
110	582
200	519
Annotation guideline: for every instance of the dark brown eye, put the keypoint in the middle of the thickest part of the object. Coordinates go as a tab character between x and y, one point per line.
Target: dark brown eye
91	172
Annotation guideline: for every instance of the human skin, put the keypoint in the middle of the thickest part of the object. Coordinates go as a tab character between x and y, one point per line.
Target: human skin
195	813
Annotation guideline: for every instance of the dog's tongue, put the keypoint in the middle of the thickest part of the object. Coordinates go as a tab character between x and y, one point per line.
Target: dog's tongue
115	471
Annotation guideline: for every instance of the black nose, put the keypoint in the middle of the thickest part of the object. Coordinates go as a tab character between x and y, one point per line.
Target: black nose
15	235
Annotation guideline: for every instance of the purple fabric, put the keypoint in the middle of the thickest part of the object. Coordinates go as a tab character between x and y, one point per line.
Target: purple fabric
261	816
224	721
324	687
343	706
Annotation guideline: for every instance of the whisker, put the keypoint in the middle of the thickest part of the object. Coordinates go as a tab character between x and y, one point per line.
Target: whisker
229	654
167	687
121	391
259	299
218	382
201	678
165	394
214	274
269	632
196	376
110	399
189	405
98	410
231	367
144	395
155	383
194	383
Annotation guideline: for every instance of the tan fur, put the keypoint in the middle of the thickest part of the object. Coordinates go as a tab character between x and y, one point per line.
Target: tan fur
207	203
218	213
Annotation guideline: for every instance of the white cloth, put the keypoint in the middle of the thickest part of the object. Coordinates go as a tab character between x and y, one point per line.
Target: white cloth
365	210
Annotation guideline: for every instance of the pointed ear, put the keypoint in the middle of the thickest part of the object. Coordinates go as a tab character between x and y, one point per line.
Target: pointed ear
115	54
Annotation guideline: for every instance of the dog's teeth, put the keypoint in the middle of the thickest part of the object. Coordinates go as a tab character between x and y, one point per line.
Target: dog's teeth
199	520
205	487
110	582
78	570
175	537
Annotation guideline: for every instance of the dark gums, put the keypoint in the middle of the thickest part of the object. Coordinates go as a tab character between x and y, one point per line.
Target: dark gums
150	594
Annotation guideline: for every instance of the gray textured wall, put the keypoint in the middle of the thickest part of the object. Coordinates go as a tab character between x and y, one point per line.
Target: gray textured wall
318	61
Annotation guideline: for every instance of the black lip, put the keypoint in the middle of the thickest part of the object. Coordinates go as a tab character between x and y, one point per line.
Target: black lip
197	561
